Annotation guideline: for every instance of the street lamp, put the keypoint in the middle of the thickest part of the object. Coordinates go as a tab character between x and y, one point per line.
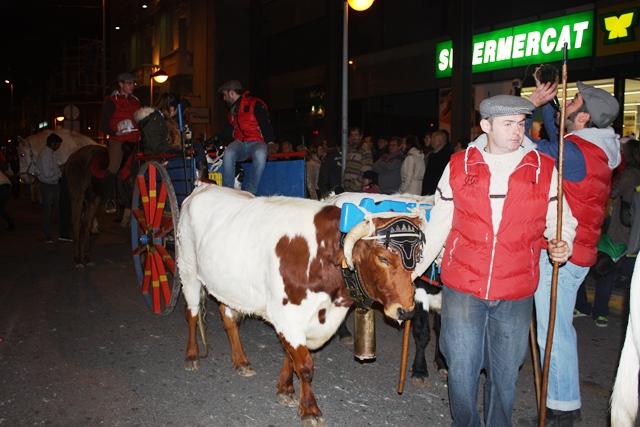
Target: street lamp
10	83
358	5
160	76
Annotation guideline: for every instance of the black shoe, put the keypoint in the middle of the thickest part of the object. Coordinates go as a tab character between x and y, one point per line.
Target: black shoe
553	418
558	418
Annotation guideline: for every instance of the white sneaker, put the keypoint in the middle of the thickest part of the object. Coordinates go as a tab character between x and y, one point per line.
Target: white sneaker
110	207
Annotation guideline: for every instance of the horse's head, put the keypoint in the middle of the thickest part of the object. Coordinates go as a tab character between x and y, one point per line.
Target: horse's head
27	172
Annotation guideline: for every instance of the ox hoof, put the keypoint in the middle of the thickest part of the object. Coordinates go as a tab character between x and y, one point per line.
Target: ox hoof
287	399
191	365
420	382
245	371
313	421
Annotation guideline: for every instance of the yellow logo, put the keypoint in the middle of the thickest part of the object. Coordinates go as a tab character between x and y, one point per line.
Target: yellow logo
618	26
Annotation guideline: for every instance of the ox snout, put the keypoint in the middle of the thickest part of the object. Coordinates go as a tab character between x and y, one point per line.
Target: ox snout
405	314
398	312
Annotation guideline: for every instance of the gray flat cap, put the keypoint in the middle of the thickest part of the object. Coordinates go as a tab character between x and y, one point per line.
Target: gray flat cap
601	106
231	85
505	105
126	77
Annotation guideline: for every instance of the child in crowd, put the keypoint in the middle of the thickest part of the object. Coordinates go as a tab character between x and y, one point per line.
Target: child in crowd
370	184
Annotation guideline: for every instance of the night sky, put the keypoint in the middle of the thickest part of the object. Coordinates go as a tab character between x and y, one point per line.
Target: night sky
33	34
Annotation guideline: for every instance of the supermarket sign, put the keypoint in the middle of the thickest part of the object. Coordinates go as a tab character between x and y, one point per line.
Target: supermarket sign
533	43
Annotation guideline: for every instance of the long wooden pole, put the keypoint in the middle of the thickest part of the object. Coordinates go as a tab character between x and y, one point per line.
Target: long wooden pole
404	355
535	359
542	406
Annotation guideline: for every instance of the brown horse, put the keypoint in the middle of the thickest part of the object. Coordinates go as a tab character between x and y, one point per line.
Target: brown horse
84	170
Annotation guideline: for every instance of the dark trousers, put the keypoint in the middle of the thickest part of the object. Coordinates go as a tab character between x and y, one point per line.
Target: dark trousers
50	204
604	287
5	193
65	209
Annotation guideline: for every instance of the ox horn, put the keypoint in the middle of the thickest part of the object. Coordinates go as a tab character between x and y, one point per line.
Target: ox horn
361	230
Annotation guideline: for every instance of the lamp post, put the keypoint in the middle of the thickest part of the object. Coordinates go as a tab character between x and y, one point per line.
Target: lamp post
358	5
10	83
160	76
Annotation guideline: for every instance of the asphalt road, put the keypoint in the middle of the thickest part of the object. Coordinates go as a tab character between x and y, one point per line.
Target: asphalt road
81	348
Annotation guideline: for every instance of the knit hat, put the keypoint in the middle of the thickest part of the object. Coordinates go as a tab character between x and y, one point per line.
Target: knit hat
601	106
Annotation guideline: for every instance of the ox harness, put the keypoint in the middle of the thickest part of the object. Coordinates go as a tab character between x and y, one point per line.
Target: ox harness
400	234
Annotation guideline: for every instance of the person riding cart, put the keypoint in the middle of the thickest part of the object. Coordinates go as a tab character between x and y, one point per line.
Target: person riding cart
248	129
120	127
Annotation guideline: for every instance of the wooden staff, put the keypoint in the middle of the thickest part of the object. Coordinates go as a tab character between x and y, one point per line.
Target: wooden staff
542	404
404	355
535	359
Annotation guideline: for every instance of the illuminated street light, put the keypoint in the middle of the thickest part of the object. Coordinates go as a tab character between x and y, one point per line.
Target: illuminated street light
10	83
159	76
358	5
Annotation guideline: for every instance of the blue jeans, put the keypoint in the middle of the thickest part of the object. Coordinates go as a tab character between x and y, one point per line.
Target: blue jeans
239	151
564	380
477	334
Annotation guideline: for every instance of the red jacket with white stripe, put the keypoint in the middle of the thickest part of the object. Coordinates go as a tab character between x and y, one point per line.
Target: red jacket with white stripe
588	201
496	264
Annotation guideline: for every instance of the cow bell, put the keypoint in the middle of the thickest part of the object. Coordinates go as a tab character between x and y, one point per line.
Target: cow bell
365	335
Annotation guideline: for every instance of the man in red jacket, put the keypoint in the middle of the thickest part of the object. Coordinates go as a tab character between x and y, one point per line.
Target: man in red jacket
121	128
249	130
591	152
495	208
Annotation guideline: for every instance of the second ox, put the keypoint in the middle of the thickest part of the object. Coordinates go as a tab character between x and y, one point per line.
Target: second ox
285	260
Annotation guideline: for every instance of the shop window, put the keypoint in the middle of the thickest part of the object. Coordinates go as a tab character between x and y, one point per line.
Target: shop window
630	123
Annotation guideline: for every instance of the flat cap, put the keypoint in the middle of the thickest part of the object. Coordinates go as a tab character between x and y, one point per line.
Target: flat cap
505	105
601	106
126	77
231	85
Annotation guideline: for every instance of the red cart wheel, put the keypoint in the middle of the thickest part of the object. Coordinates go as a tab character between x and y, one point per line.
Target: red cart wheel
154	216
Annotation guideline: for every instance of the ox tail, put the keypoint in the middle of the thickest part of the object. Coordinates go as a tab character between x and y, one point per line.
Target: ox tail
187	261
624	400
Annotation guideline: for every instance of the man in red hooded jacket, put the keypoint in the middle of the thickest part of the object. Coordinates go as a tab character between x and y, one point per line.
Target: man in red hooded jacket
591	152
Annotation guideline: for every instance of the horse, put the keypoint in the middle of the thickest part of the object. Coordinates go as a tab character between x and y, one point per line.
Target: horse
84	172
29	149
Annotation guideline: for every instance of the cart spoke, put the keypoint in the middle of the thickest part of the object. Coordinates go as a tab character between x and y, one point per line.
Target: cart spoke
160	206
155	285
152	193
167	258
164	284
144	195
147	275
139	215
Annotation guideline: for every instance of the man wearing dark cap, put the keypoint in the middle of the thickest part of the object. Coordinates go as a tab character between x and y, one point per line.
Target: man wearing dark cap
494	212
248	130
591	152
120	127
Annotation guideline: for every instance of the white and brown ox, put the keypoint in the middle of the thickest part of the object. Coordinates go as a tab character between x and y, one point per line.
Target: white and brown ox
281	259
624	400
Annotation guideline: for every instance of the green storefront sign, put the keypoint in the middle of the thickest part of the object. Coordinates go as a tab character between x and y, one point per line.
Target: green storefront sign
533	43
